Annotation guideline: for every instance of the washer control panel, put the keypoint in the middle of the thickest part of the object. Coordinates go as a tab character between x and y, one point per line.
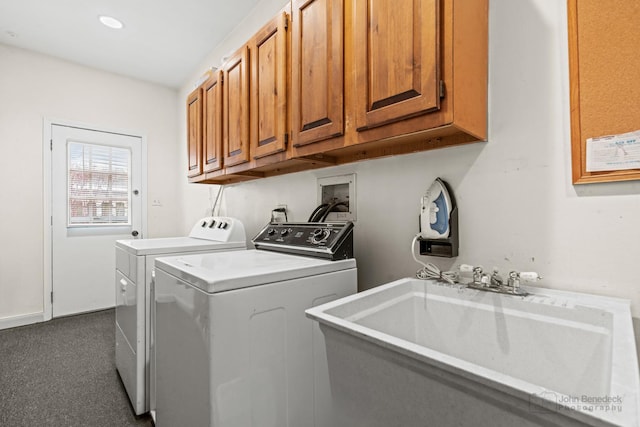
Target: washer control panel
325	240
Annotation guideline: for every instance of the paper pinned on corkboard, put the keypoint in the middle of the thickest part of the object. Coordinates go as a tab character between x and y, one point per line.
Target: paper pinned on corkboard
614	152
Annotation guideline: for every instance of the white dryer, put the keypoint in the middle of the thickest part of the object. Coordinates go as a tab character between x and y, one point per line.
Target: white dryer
233	345
134	271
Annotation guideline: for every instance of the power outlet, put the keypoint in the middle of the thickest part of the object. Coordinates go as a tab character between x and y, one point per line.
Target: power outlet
280	213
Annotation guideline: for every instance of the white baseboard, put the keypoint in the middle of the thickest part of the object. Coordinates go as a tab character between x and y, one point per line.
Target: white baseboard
22	320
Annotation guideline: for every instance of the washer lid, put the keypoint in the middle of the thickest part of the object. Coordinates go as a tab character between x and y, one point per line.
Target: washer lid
225	271
169	245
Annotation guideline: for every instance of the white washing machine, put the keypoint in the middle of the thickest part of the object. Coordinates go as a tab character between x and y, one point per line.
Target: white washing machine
134	271
233	345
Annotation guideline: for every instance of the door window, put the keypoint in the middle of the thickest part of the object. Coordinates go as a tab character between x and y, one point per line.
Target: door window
99	183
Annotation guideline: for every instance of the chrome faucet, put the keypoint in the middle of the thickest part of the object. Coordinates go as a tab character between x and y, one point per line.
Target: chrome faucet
495	283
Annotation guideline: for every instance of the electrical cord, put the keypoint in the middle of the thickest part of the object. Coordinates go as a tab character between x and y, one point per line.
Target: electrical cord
213	208
431	271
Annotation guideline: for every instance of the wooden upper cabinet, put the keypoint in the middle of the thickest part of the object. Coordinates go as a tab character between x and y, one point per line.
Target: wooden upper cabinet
212	123
344	81
269	88
317	70
194	133
235	106
397	51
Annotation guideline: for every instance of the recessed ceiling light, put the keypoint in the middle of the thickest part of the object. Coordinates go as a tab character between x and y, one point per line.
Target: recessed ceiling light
110	22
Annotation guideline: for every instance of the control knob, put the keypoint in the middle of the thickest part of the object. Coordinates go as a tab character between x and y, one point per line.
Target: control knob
319	235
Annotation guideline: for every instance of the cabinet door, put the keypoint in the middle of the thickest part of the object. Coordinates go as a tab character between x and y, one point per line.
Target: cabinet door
396	60
269	88
212	123
194	132
236	108
317	70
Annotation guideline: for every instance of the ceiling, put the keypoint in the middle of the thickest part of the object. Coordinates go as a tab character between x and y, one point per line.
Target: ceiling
163	41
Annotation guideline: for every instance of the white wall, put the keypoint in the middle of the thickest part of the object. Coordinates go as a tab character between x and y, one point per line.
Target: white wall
34	87
518	208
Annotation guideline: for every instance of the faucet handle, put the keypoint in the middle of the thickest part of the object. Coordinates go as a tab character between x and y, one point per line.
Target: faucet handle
514	280
527	276
477	275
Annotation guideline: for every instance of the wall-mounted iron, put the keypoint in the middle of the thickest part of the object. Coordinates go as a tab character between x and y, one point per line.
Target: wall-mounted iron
438	222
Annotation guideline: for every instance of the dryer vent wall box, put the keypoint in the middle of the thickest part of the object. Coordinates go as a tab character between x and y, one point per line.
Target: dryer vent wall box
341	192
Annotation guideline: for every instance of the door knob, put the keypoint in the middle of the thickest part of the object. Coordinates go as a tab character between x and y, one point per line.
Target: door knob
134	233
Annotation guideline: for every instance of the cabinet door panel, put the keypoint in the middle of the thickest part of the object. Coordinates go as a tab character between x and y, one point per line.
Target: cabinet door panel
269	88
236	108
194	133
397	60
212	124
317	70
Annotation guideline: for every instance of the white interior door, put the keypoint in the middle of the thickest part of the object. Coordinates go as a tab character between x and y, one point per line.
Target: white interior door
96	198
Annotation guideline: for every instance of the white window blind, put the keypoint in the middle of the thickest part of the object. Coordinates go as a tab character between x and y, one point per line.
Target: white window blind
98	185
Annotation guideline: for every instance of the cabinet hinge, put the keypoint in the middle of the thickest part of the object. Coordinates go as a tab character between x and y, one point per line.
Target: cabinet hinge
443	89
51	145
286	21
286	140
51	297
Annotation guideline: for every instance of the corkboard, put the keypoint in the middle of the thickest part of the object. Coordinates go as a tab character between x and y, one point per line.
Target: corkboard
604	74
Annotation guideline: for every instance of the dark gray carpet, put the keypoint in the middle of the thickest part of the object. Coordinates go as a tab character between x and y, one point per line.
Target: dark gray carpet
63	373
